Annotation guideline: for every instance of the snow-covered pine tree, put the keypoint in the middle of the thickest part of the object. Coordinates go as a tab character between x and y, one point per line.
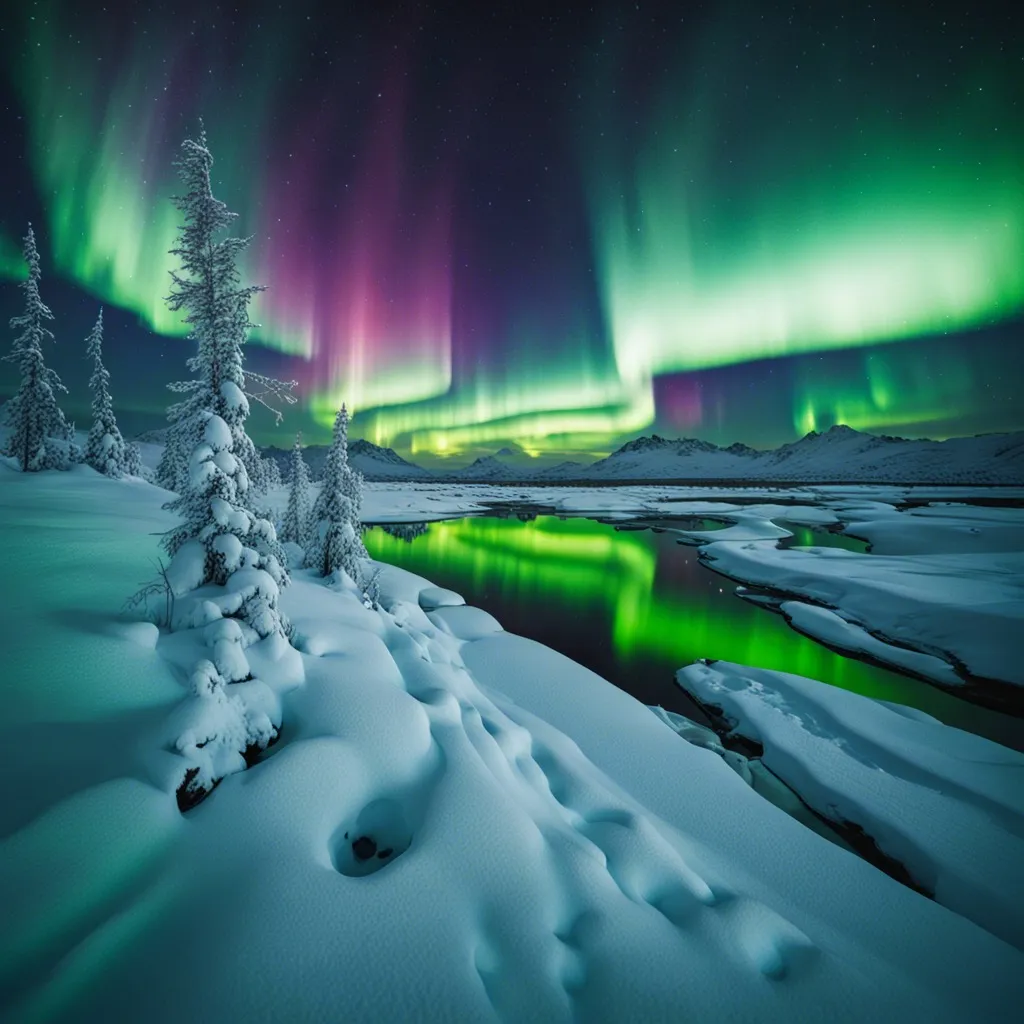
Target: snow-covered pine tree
335	542
208	288
273	471
40	438
222	541
295	528
106	450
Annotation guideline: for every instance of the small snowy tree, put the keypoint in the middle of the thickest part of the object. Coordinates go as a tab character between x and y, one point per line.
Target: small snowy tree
208	288
335	542
41	438
106	450
273	471
295	528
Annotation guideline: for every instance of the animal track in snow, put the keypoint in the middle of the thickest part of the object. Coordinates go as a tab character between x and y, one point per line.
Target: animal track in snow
640	859
386	826
777	948
602	846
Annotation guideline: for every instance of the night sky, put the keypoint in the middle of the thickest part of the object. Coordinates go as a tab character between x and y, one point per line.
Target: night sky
552	226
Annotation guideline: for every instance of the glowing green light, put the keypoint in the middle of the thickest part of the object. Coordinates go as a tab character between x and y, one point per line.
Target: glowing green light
12	263
549	411
889	390
595	570
887	267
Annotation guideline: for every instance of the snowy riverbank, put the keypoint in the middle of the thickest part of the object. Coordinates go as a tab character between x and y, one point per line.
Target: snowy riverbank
543	847
940	595
943	804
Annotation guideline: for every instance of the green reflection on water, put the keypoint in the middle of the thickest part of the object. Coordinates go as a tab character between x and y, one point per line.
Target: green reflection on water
572	582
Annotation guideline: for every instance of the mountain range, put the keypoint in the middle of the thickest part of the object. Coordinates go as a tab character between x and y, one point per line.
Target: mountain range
838	455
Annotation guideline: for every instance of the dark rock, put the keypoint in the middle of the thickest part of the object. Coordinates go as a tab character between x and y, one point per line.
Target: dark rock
189	794
364	847
384	854
254	752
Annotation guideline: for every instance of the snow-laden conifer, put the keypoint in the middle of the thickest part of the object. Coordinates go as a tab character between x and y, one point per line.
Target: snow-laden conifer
295	528
222	543
40	438
335	542
209	290
273	473
106	450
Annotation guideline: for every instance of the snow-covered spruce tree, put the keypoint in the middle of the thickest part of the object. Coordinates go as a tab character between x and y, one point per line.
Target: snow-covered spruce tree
106	450
295	528
221	537
221	543
273	472
40	438
208	289
335	542
226	560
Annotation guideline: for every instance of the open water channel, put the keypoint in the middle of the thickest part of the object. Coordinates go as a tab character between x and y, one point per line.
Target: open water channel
634	605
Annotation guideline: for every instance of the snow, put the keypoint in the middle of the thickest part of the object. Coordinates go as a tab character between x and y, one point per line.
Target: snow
187	568
544	848
229	547
834	630
217	434
958	607
235	398
145	634
437	597
385	502
945	804
838	454
464	622
945	527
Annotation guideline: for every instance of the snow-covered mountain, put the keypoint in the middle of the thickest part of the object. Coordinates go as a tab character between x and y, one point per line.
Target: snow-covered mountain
561	471
489	468
374	462
377	463
839	455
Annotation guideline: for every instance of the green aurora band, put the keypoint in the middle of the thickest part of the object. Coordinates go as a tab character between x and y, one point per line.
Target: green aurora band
12	265
835	227
103	151
846	223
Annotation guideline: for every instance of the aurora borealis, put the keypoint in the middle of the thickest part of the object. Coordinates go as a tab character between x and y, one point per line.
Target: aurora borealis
553	227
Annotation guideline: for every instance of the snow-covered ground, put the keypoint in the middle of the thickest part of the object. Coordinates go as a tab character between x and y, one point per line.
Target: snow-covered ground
397	502
457	824
945	804
962	608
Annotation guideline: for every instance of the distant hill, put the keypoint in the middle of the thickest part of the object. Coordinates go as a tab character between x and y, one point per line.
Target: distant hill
839	455
374	462
488	469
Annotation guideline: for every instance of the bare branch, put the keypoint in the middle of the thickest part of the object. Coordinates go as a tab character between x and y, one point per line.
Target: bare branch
264	390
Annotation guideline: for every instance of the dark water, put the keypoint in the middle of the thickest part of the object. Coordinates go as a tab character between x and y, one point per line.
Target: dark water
635	605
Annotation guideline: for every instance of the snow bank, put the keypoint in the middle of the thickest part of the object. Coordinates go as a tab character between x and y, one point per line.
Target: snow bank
960	608
448	829
832	629
946	804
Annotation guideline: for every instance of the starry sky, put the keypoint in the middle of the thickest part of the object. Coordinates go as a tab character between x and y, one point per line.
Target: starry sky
550	227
